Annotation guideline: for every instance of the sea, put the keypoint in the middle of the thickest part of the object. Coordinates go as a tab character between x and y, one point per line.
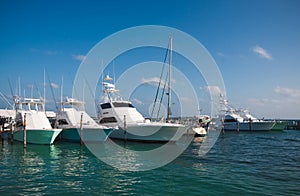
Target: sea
239	163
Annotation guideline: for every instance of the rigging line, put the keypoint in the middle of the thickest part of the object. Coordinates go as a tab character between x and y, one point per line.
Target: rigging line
12	94
162	94
52	92
5	100
36	86
161	75
91	92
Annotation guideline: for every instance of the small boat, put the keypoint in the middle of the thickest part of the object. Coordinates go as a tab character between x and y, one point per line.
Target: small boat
72	117
199	131
31	116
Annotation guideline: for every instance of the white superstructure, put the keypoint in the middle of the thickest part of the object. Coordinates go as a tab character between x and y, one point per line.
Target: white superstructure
116	112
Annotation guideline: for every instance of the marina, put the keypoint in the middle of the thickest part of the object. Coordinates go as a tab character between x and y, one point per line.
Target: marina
131	98
239	163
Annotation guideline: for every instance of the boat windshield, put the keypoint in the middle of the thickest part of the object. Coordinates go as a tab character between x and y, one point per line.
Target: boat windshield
117	104
105	105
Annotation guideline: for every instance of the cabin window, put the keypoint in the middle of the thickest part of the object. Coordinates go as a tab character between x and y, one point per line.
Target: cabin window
108	120
230	120
19	123
62	122
105	106
116	104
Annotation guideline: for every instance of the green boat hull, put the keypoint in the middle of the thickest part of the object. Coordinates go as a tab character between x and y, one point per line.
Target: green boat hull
88	134
37	136
280	125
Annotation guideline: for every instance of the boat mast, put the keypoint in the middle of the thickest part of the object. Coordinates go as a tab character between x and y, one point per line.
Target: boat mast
61	93
44	101
169	85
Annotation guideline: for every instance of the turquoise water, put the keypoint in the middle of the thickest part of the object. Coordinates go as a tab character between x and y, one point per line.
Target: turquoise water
266	163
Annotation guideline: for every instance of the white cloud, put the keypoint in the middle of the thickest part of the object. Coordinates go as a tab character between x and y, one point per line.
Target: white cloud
262	52
137	101
46	52
263	101
154	81
150	81
280	107
214	90
186	99
220	54
50	52
290	92
79	57
284	104
53	85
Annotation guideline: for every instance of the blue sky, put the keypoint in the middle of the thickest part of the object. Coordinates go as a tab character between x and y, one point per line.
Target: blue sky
254	43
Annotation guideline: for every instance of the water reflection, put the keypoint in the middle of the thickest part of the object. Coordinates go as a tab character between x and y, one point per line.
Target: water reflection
67	168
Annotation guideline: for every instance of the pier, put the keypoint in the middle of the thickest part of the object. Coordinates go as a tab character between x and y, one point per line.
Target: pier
5	127
293	124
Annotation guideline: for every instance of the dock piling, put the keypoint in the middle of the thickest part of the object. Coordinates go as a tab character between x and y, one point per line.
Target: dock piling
81	129
12	133
24	135
125	128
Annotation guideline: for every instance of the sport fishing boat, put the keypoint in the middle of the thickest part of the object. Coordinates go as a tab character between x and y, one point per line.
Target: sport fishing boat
236	120
31	116
76	123
242	120
129	123
116	112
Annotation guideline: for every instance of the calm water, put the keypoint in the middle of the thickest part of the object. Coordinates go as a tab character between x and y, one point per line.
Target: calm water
265	163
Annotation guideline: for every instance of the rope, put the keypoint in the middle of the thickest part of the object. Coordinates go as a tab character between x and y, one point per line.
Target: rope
160	79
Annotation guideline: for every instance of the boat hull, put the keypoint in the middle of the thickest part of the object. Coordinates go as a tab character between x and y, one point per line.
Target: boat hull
88	134
247	126
37	136
199	131
150	132
279	125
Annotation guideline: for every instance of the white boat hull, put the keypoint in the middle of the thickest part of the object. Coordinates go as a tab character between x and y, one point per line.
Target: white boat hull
151	132
247	126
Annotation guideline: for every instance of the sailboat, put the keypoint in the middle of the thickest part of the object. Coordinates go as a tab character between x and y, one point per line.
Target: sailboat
130	123
72	117
31	116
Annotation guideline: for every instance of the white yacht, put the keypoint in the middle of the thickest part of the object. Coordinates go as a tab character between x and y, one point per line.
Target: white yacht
72	117
237	121
130	124
31	116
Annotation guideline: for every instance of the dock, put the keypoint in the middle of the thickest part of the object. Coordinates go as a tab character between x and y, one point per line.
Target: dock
293	124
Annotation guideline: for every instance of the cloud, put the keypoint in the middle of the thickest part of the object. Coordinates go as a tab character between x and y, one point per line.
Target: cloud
186	99
289	92
220	54
154	81
53	85
45	52
264	101
150	81
137	101
215	90
262	52
50	52
79	57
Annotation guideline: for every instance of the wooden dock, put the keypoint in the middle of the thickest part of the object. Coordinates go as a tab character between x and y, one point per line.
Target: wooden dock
293	124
